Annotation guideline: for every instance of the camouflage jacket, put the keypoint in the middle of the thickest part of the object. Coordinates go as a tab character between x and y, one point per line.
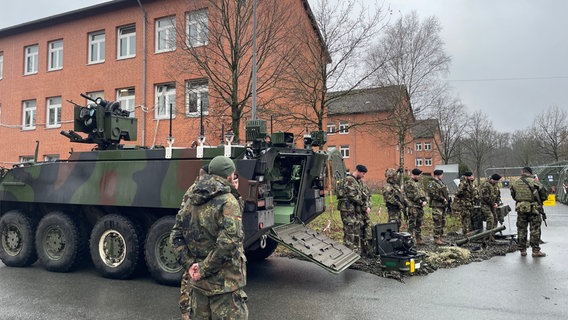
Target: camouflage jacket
414	193
467	194
209	231
351	194
393	195
489	193
438	193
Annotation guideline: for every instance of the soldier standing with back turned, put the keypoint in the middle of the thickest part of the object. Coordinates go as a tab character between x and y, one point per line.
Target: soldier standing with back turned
528	195
416	203
439	198
352	202
393	197
490	197
466	196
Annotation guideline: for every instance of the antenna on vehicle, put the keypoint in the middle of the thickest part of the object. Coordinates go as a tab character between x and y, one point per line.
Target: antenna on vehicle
170	139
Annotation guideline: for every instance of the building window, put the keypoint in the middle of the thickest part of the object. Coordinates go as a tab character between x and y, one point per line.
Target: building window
55	57
428	162
26	159
418	146
427	146
343	127
126	42
165	100
51	157
165	34
31	53
29	115
97	47
197	29
196	98
53	106
126	99
1	64
331	128
330	148
419	162
344	150
95	94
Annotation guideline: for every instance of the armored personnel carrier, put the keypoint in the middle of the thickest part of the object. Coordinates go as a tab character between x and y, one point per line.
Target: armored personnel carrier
116	204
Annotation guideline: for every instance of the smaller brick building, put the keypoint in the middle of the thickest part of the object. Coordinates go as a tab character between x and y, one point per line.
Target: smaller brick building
359	125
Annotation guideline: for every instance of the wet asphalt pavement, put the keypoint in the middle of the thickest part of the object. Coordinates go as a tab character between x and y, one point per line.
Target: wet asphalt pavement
506	287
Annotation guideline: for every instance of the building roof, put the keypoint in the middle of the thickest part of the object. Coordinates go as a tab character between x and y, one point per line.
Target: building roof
425	128
366	100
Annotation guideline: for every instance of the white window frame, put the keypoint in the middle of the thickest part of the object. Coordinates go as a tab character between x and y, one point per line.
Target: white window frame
31	59
1	64
29	110
345	152
53	115
55	55
428	162
427	146
126	97
343	127
51	157
197	28
97	47
199	91
165	95
165	34
126	42
26	159
94	95
331	128
419	162
418	146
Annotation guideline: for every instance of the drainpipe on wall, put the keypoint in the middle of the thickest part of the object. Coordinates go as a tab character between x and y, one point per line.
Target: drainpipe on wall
143	141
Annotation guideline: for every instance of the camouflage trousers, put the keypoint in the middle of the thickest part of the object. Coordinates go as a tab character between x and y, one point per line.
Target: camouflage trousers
356	231
395	215
477	218
528	219
439	220
489	215
464	212
366	235
226	306
185	293
415	217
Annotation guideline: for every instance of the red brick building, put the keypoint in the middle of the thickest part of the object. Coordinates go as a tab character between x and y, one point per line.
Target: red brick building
120	50
359	126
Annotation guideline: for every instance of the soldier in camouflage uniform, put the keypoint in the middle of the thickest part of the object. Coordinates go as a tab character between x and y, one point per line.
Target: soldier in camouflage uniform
185	290
439	198
490	197
363	214
416	202
352	202
464	200
528	195
208	240
394	199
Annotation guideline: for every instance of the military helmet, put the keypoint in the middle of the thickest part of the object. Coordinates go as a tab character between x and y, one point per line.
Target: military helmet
389	173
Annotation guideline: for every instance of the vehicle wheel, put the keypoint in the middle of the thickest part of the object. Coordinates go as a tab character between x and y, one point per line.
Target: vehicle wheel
18	246
58	242
160	256
262	253
115	246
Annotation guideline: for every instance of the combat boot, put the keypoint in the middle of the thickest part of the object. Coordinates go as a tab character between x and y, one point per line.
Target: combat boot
419	241
440	242
538	254
523	252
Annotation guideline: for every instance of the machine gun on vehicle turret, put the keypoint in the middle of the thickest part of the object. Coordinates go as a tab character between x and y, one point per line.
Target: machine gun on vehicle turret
104	122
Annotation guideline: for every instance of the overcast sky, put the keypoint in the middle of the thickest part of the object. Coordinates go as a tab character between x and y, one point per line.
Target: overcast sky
509	57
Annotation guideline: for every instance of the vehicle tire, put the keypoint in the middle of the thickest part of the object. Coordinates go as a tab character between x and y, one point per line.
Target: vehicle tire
159	254
17	244
260	254
115	246
58	242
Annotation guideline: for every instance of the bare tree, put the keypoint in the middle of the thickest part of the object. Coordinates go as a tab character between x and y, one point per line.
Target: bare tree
452	118
479	141
524	145
218	46
415	57
331	61
550	131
